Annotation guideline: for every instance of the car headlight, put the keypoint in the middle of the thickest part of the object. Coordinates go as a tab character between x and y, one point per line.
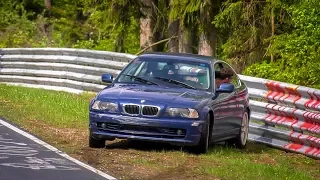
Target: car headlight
183	112
110	106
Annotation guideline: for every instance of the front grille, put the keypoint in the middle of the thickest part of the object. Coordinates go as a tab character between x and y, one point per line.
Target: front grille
150	111
132	109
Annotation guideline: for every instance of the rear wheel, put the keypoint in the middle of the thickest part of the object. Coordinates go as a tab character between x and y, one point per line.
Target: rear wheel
203	145
241	139
96	143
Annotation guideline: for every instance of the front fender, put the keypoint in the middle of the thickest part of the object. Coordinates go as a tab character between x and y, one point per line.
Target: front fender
91	103
204	112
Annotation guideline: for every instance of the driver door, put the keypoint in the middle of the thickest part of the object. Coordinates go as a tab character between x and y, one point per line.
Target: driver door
226	105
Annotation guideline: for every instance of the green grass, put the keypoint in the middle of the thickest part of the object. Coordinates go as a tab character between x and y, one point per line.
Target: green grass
55	108
236	164
61	119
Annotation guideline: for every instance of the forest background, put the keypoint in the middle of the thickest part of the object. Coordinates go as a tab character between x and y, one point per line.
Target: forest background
273	39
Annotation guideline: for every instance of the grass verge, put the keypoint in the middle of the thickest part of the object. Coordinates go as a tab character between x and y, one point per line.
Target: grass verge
61	120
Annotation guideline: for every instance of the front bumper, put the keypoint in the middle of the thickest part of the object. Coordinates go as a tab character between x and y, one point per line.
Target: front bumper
174	131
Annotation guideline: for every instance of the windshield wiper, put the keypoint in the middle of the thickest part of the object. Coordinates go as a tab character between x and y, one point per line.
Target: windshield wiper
140	79
176	82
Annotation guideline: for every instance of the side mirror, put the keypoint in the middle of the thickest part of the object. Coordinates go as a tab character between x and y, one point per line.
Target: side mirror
108	78
225	88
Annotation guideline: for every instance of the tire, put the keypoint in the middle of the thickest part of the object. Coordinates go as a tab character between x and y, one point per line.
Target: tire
242	138
203	144
96	143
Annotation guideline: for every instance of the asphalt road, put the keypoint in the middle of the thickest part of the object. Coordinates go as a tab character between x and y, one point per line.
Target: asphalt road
24	157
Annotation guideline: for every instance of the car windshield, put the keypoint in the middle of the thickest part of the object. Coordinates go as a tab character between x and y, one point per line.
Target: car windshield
172	72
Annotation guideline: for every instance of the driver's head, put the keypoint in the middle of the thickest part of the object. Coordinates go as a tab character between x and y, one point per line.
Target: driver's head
223	76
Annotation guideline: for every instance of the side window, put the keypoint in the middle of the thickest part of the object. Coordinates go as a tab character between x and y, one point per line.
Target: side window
236	81
225	74
134	68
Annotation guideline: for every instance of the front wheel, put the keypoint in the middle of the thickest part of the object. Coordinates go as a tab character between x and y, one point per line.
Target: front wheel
96	143
203	145
241	139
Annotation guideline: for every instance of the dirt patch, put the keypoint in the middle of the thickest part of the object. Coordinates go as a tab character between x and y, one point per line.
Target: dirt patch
112	162
61	136
264	159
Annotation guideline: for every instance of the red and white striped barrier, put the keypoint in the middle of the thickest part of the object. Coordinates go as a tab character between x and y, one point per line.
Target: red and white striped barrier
290	112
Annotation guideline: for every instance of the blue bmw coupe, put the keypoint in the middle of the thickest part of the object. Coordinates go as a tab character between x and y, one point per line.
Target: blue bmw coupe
181	99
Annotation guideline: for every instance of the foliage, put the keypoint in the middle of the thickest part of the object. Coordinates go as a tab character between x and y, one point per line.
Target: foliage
285	49
298	51
187	10
15	27
77	24
244	27
115	24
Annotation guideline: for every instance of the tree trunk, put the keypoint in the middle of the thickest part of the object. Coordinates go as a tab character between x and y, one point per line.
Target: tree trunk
173	30
185	39
119	45
208	43
208	36
148	35
48	6
48	25
272	30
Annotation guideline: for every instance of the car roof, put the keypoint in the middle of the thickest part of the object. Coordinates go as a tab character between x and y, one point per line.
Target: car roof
179	56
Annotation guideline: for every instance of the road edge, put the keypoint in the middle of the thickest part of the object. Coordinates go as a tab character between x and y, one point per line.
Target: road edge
53	149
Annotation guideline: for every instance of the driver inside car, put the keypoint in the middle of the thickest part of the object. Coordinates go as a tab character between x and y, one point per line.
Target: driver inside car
223	76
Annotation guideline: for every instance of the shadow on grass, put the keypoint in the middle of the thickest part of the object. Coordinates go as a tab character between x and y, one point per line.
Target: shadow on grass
142	145
251	148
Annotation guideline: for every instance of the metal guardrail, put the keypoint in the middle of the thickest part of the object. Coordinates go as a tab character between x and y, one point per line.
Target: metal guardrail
290	115
283	115
71	70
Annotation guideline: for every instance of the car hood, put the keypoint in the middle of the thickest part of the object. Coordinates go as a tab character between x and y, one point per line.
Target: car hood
153	95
